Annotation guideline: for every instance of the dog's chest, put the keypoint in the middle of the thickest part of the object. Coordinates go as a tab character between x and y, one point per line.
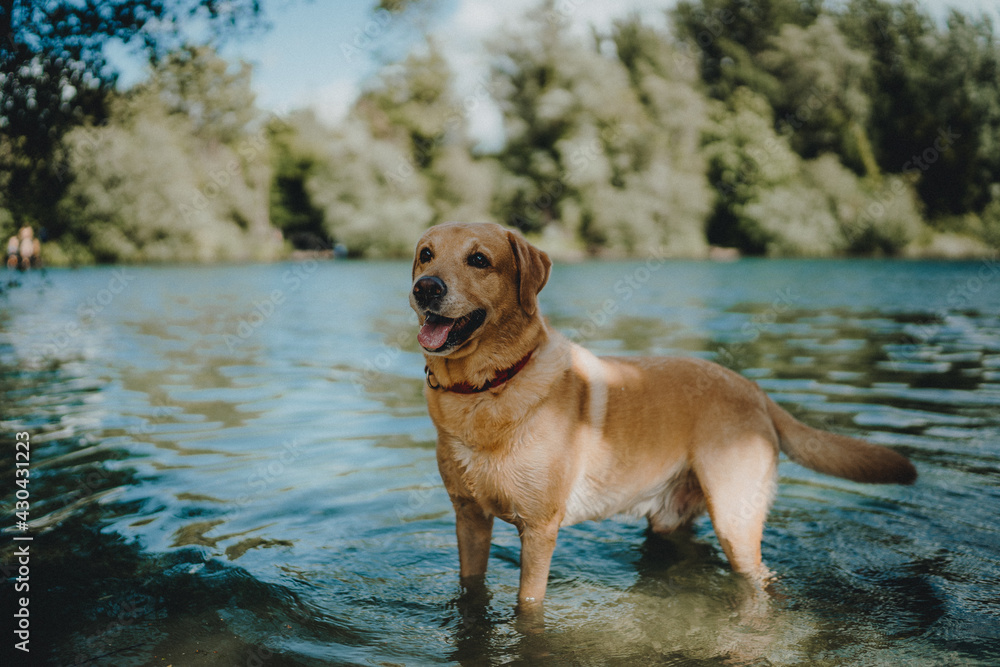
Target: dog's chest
509	484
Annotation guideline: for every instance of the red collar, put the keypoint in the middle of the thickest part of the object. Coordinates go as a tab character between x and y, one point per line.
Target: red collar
466	388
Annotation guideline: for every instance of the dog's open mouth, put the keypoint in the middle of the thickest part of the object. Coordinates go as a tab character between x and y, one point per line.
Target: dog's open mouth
439	333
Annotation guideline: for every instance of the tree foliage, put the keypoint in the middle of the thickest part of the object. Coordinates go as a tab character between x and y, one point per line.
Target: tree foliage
778	127
879	84
54	75
178	171
820	102
928	80
600	149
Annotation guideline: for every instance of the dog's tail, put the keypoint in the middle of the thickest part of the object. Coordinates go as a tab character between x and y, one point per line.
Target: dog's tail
839	455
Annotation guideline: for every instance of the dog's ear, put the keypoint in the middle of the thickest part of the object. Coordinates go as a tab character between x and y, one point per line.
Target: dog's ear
533	267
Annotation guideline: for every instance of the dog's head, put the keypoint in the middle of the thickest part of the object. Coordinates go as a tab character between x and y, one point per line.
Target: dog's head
472	279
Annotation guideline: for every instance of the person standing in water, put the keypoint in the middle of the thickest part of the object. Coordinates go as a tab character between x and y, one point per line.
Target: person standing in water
13	252
29	248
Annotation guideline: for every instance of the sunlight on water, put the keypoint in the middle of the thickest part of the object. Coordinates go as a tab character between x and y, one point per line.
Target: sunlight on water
235	464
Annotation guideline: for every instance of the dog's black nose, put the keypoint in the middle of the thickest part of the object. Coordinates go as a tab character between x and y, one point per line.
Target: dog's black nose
429	288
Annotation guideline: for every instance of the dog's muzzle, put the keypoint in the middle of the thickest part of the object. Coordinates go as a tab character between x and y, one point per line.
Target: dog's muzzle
428	290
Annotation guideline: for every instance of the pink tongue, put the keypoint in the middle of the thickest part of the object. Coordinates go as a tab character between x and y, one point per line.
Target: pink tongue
433	336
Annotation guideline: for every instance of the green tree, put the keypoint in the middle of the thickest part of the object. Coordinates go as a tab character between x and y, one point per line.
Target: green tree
554	93
874	215
725	36
667	169
54	75
967	63
600	148
213	94
413	104
746	157
821	102
772	202
990	220
169	176
935	100
294	141
371	198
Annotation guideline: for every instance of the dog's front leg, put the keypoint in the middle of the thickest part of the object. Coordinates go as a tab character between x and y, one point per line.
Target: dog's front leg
474	528
537	545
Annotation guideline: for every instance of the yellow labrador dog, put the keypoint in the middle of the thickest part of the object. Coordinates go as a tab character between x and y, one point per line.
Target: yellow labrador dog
536	430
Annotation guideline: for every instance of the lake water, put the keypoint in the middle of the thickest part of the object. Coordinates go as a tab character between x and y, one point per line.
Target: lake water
234	465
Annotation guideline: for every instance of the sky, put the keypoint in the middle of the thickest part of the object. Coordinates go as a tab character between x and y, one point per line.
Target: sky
318	53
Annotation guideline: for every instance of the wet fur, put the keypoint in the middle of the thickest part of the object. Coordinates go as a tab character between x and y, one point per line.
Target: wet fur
574	437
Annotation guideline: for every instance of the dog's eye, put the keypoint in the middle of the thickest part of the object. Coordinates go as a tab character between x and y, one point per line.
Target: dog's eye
479	260
426	255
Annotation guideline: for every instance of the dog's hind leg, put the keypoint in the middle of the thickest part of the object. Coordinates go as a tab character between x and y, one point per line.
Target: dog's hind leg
738	478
